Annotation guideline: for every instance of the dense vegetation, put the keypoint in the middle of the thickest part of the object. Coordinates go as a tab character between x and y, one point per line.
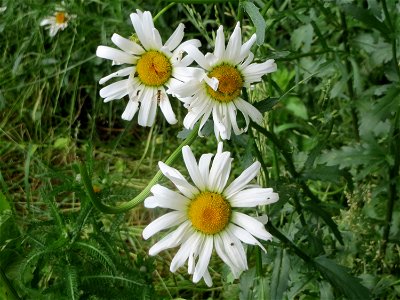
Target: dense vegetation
329	145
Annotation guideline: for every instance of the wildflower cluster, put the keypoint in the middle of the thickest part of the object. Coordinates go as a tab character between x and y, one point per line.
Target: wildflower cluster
205	211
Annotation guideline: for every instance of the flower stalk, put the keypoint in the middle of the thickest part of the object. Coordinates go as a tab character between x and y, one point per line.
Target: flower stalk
144	193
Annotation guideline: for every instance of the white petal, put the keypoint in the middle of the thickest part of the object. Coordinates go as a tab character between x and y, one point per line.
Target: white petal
176	38
130	109
204	166
204	259
244	236
245	49
137	23
250	224
165	221
164	197
193	52
232	51
220	171
172	239
178	180
183	253
148	108
207	278
194	251
120	73
253	197
220	249
254	72
126	45
166	108
115	54
248	110
116	90
219	50
192	167
234	250
239	183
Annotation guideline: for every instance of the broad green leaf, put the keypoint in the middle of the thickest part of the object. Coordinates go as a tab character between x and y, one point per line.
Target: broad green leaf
257	19
339	277
266	104
302	37
297	107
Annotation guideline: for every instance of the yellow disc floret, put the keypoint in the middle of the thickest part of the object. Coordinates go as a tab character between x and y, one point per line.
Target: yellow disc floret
230	83
209	212
60	17
153	68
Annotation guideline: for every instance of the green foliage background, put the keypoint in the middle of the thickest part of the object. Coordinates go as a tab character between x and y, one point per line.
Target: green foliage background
329	145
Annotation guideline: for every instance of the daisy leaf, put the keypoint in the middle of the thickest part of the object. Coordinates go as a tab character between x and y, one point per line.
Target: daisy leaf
257	19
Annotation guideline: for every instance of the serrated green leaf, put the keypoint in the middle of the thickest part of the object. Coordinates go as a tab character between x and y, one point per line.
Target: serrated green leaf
280	275
302	37
266	104
339	277
366	17
257	19
323	173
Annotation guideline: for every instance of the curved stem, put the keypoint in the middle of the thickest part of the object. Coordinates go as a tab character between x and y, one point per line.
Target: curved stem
163	10
144	193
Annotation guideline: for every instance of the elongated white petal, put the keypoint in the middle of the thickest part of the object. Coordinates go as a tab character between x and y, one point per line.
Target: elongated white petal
254	72
176	38
204	166
130	109
253	197
194	251
232	52
115	54
220	249
192	167
121	73
234	249
239	183
193	52
207	278
204	259
166	198
166	107
219	50
248	110
244	236
178	180
165	221
126	45
148	108
183	253
116	90
171	240
219	172
250	224
245	49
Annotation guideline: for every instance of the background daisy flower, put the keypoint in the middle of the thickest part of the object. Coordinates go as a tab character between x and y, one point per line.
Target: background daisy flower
59	21
206	214
155	66
226	72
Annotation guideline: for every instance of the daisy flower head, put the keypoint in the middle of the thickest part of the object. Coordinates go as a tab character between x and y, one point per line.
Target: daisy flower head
56	22
155	67
226	72
206	214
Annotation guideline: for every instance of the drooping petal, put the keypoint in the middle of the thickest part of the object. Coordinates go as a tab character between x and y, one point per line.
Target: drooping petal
130	109
250	224
166	107
116	90
121	73
244	236
176	38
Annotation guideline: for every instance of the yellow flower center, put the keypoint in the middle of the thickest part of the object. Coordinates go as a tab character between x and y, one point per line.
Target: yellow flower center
60	17
230	83
153	68
209	212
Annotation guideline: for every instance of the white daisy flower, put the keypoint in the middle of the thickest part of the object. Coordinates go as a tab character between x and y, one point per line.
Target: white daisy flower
59	21
155	66
227	71
206	215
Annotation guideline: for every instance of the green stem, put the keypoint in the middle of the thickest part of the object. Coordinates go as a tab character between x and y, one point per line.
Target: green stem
161	12
144	193
393	37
